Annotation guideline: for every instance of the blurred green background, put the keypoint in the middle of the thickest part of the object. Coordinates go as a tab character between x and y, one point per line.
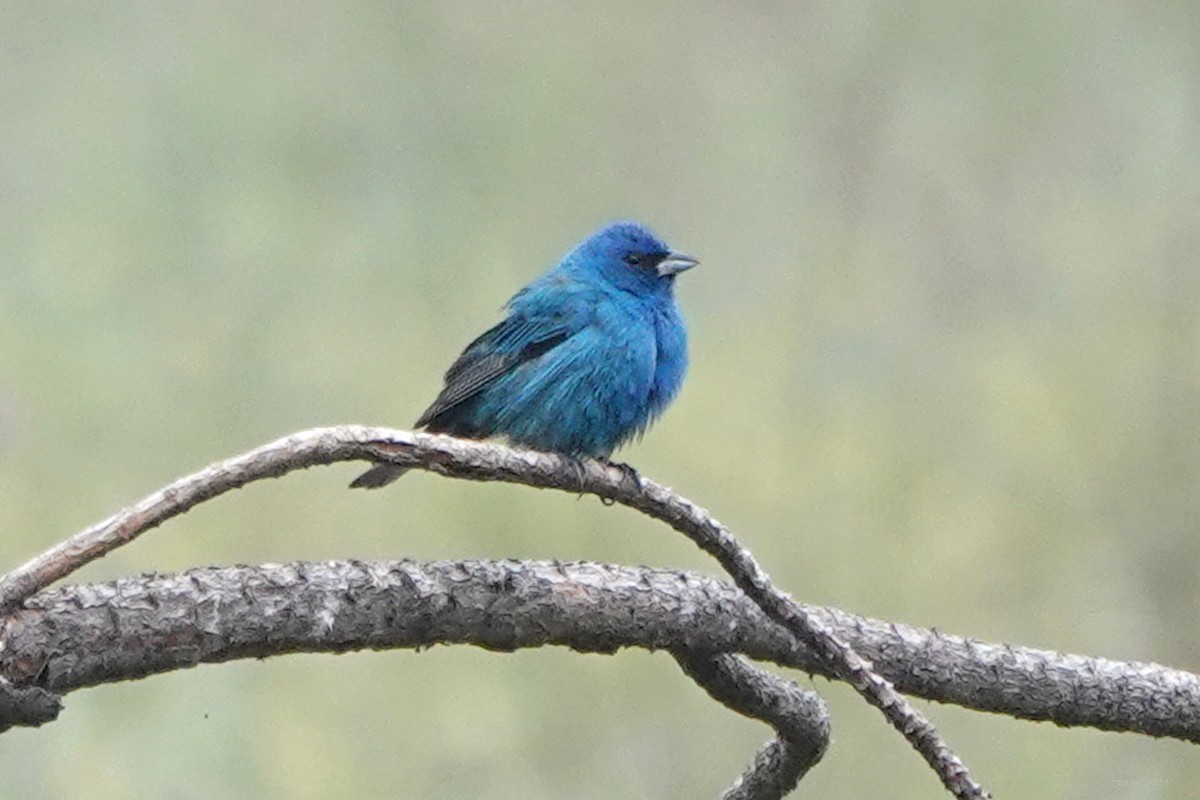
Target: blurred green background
944	340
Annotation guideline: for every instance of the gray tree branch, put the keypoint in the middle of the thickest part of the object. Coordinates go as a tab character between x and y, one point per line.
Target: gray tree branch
73	637
490	461
799	717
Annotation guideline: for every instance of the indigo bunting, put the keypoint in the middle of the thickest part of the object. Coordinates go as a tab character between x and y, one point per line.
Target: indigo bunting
588	356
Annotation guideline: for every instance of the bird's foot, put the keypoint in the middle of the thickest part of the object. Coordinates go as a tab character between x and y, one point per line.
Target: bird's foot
579	471
629	475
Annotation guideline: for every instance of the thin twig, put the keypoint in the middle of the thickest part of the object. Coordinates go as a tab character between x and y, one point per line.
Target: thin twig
494	462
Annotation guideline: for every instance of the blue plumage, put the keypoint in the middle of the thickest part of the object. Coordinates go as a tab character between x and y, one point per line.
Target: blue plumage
588	356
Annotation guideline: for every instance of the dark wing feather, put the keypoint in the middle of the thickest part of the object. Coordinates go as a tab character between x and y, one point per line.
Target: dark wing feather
494	354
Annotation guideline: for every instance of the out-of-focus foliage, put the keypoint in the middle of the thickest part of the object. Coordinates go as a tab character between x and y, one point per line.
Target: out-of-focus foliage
945	354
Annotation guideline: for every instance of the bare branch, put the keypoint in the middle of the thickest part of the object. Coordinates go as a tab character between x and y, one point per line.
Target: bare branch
800	717
77	636
490	461
26	706
298	451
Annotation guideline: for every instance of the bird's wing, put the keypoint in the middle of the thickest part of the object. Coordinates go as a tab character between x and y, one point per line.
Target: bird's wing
497	352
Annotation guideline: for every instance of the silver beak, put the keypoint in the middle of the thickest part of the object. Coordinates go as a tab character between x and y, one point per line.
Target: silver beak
674	264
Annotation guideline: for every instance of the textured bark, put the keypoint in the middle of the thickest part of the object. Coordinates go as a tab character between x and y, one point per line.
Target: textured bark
77	636
489	461
27	706
799	717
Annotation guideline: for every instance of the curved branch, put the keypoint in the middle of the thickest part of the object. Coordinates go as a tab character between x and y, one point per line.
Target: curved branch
800	718
77	636
490	461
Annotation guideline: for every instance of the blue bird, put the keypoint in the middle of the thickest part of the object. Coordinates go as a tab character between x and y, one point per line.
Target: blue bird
589	355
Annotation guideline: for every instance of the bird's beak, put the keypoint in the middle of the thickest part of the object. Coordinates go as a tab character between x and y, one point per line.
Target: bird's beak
674	264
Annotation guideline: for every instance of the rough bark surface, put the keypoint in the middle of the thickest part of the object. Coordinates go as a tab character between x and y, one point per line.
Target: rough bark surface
55	641
489	461
77	636
799	717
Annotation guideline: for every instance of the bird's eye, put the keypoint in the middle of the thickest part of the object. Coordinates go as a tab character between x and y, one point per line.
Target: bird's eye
633	259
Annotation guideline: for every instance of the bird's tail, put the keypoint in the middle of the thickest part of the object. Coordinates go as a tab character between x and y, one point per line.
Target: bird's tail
378	475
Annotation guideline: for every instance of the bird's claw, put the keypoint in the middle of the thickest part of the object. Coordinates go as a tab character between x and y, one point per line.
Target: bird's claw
628	473
579	470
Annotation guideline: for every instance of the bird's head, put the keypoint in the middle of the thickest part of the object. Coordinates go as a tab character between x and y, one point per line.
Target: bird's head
630	257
